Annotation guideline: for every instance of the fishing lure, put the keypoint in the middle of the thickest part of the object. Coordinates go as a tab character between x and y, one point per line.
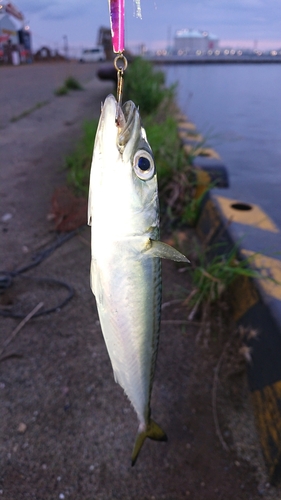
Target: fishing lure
117	15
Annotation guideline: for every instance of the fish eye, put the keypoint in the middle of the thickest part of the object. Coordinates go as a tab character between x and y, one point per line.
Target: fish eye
143	164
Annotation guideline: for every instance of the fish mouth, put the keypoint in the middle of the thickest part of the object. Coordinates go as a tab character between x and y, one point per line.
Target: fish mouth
128	122
125	120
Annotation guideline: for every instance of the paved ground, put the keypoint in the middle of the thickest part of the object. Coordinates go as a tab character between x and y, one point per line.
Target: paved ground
66	428
28	85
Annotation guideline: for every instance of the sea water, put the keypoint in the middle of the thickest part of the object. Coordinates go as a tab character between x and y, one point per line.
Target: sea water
237	107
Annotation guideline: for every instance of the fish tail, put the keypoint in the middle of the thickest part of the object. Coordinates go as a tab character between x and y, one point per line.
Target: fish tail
152	431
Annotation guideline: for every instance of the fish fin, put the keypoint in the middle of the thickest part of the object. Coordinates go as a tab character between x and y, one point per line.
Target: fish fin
164	251
90	207
152	431
95	282
93	276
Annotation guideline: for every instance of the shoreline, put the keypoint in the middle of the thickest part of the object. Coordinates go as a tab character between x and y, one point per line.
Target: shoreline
214	60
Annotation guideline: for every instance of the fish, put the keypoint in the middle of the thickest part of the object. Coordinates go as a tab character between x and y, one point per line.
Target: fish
125	274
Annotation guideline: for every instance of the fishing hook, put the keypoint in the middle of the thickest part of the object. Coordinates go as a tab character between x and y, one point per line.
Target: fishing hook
120	68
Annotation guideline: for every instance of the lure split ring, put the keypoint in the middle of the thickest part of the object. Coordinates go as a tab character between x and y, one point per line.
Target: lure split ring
120	57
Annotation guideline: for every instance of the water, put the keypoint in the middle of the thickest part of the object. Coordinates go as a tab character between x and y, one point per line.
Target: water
238	110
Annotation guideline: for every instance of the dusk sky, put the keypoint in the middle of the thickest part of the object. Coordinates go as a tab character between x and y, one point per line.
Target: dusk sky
235	22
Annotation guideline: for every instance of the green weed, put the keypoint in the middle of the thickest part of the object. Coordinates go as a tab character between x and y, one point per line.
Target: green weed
192	207
61	91
27	112
79	162
211	277
72	83
145	86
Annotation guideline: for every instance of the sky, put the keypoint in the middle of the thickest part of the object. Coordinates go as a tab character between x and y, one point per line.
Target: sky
239	23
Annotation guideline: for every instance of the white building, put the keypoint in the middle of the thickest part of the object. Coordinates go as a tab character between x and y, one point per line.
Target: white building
191	41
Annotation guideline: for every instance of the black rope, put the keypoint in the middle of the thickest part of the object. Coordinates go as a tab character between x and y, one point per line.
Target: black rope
6	278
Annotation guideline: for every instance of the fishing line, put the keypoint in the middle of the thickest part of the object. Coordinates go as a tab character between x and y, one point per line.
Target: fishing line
7	277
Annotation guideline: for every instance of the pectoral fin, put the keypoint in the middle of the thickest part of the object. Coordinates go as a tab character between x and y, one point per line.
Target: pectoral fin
95	282
90	208
164	251
153	431
93	275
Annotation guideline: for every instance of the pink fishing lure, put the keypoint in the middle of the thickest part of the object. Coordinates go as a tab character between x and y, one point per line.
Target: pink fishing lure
117	14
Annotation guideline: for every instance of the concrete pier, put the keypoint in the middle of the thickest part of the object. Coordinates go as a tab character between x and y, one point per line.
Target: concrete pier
256	304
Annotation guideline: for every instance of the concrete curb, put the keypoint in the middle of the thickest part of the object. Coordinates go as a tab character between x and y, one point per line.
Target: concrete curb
256	304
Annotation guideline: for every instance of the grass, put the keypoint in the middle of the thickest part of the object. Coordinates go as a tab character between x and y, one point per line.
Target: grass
192	207
78	163
61	91
211	277
176	179
145	86
70	83
27	112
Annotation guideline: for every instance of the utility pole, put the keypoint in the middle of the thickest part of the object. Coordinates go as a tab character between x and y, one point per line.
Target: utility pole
169	35
65	39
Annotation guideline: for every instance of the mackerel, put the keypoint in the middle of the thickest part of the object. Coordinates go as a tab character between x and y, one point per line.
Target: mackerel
123	212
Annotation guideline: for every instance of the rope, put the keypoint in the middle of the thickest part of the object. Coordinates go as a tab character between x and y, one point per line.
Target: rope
7	278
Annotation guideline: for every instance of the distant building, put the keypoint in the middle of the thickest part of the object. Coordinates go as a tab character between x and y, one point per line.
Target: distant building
105	39
191	41
8	30
15	37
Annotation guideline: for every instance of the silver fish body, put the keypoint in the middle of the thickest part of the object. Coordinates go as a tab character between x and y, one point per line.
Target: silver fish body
123	213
